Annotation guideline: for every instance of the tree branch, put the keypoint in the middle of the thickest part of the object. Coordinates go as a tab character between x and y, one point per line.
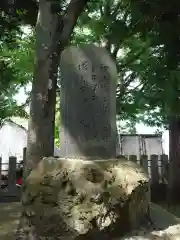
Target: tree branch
115	50
116	10
101	11
135	88
108	46
26	103
129	79
124	85
107	8
132	59
72	13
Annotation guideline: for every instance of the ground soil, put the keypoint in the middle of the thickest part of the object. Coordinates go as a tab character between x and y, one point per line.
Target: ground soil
9	218
165	221
165	226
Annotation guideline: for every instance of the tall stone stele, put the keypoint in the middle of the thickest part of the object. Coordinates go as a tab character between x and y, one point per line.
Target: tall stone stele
88	103
87	194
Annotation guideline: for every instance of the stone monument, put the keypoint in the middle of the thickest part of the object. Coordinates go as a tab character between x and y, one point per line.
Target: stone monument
88	103
87	194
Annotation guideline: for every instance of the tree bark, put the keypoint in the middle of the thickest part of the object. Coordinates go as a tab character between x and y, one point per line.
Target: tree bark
43	94
174	161
53	32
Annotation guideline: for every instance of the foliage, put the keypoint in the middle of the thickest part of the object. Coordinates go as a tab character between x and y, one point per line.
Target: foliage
16	63
16	53
135	34
146	57
143	38
107	24
162	21
18	12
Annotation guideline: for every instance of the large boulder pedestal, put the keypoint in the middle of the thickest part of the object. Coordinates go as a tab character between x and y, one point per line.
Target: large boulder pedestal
79	199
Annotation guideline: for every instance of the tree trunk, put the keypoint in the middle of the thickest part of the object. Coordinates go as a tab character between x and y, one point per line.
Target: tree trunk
174	161
43	95
53	32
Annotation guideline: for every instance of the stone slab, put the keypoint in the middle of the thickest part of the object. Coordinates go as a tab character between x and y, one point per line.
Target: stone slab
88	103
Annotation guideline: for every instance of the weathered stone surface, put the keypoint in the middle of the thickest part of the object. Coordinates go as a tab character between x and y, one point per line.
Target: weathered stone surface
75	199
88	102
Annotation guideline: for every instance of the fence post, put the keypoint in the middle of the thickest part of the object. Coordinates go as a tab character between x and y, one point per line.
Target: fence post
12	176
164	168
133	158
144	163
122	157
24	155
154	169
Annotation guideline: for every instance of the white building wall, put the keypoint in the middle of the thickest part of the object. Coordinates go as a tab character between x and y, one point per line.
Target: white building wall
130	145
136	145
13	139
153	146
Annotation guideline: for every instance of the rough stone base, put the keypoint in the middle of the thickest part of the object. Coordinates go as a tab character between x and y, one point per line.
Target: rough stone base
75	199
